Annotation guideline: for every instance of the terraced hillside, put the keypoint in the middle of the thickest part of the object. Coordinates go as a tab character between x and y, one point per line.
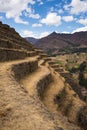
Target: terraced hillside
33	95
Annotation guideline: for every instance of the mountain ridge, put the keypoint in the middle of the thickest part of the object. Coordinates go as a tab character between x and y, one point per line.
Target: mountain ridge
54	42
31	39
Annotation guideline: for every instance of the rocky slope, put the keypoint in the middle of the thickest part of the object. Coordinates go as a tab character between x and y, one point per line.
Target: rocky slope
32	94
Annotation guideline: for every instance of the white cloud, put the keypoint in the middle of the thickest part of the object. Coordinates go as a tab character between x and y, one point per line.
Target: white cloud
1	17
83	21
68	18
37	25
19	20
40	2
77	6
60	11
35	16
14	8
66	7
51	9
52	19
65	32
27	33
44	34
31	13
80	29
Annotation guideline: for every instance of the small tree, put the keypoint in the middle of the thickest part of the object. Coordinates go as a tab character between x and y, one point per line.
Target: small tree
81	79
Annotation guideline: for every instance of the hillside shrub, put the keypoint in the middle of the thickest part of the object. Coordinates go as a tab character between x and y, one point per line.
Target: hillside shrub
81	79
82	117
83	66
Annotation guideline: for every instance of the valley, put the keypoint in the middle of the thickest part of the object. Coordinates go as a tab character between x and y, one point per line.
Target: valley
59	43
36	90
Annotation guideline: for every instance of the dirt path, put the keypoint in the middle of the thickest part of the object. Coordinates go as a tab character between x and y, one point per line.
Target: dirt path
48	99
18	109
50	93
7	63
30	82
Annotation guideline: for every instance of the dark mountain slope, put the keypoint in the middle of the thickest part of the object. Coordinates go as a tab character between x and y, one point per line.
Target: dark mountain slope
9	38
31	40
54	42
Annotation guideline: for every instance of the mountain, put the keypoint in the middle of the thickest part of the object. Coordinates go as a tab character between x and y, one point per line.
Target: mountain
33	94
31	40
9	38
56	42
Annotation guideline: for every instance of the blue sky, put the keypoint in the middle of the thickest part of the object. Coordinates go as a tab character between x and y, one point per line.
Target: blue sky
38	18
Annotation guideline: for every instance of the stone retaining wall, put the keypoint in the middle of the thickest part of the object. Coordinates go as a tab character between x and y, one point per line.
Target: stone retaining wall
7	44
8	55
43	83
23	69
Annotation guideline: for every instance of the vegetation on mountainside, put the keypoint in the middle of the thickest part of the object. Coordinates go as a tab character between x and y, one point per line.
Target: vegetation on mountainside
58	62
81	70
82	78
69	50
75	66
82	118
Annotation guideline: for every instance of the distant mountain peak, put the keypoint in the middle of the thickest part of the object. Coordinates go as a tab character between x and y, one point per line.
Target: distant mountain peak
55	42
54	33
